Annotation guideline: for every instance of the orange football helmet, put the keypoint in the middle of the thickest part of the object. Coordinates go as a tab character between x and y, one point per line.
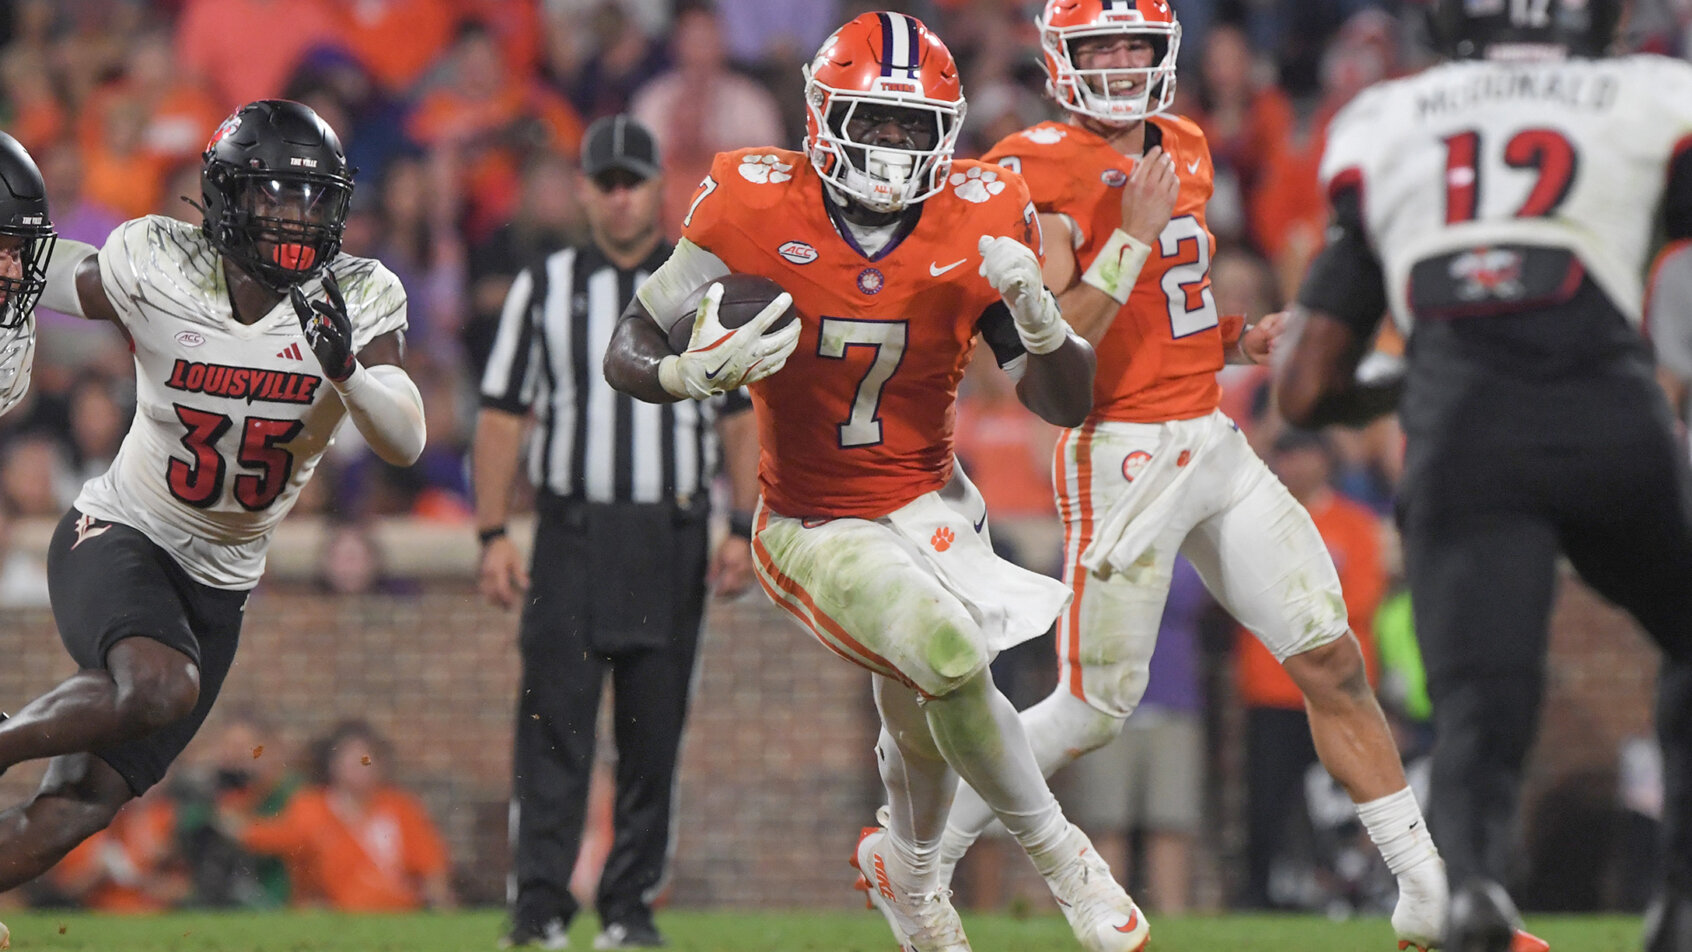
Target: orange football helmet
886	61
1150	90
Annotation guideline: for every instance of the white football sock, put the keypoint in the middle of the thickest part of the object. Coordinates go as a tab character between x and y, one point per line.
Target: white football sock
919	783
1060	728
1396	826
982	737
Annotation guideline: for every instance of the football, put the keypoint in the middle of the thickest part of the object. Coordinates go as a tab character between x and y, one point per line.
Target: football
744	295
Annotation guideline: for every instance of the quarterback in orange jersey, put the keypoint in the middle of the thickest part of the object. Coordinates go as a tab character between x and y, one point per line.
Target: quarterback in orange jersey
896	258
1156	469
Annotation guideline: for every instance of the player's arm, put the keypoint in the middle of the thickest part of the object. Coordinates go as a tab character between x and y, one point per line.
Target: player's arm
379	395
1091	298
1328	333
1056	382
74	285
639	361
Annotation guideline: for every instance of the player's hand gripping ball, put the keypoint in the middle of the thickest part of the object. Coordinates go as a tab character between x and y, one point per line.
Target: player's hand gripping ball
743	329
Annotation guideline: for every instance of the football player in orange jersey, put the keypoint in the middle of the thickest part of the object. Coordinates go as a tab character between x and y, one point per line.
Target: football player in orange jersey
1156	469
868	533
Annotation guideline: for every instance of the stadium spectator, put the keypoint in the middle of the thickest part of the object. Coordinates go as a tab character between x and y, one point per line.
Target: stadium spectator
244	768
701	107
1278	746
548	215
133	865
23	581
1245	118
396	40
622	59
354	841
490	118
246	49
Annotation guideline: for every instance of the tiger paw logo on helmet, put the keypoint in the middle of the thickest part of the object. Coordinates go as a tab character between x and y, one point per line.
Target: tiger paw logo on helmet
765	169
976	185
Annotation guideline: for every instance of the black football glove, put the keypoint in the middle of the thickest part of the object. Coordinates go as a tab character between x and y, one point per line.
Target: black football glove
328	330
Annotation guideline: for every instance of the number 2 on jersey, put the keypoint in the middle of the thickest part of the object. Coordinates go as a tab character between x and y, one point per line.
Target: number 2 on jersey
200	483
1546	151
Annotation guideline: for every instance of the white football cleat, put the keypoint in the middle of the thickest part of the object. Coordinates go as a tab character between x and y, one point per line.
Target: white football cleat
1099	910
1423	900
924	922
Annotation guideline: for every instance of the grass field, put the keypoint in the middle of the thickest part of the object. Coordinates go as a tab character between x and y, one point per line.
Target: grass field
730	932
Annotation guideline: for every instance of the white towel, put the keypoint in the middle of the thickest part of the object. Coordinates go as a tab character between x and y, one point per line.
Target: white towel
1010	603
1140	513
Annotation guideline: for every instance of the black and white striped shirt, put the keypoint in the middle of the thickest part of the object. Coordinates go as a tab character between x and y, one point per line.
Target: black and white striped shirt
591	442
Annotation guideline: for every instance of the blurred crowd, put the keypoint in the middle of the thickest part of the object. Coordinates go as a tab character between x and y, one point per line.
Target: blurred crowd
463	118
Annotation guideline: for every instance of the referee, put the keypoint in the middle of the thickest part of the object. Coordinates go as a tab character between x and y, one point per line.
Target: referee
621	559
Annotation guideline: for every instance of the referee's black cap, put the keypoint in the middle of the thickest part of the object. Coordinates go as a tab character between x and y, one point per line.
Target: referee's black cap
619	142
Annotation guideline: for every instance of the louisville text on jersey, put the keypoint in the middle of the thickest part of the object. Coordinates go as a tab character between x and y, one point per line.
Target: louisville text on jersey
251	383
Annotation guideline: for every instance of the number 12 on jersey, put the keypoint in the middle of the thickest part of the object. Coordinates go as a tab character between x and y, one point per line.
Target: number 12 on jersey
1546	152
200	483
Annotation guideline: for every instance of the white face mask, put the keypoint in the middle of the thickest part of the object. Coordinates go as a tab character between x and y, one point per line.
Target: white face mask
883	182
878	177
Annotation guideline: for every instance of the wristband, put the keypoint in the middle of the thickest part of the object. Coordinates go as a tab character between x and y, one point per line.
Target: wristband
488	535
740	523
1117	265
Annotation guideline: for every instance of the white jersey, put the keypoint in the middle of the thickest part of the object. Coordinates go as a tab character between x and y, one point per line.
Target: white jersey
230	418
1571	155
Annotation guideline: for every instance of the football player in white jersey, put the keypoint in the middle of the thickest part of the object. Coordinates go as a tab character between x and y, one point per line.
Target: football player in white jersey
26	245
253	337
1502	207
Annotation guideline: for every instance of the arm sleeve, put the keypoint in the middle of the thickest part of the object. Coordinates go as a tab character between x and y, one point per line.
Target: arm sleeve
508	380
688	267
1345	279
387	409
1668	308
1677	198
61	294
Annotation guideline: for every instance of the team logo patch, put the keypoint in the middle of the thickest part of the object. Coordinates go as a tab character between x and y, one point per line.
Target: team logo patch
189	339
224	131
871	281
1115	178
943	539
87	528
797	252
976	186
1133	463
765	169
1045	135
1488	274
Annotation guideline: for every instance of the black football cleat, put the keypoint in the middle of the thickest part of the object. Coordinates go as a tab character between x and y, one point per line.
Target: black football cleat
1668	923
1482	918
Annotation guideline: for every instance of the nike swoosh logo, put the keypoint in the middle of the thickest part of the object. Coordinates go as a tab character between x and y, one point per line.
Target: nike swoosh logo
983	522
1192	167
712	374
1132	923
935	270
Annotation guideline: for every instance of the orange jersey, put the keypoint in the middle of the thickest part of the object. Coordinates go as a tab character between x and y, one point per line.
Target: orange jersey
860	420
1159	358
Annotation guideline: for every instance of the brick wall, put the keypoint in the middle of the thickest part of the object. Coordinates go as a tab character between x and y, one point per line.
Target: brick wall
777	772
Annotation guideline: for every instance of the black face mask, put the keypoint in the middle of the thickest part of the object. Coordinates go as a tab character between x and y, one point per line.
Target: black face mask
232	780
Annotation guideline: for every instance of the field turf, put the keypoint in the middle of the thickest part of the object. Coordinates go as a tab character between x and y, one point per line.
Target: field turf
690	931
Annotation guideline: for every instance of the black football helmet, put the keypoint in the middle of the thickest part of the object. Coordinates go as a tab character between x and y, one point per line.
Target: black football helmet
23	215
276	186
1514	29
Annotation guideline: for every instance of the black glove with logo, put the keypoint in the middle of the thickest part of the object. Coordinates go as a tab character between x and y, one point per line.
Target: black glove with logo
328	330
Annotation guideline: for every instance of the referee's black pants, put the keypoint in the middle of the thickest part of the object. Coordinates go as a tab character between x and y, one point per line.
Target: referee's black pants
1588	468
619	590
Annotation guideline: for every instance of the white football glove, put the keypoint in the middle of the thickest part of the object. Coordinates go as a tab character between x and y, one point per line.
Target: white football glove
1013	271
718	359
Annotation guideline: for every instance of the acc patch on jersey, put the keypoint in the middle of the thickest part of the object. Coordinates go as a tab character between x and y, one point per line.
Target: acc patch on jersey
797	252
